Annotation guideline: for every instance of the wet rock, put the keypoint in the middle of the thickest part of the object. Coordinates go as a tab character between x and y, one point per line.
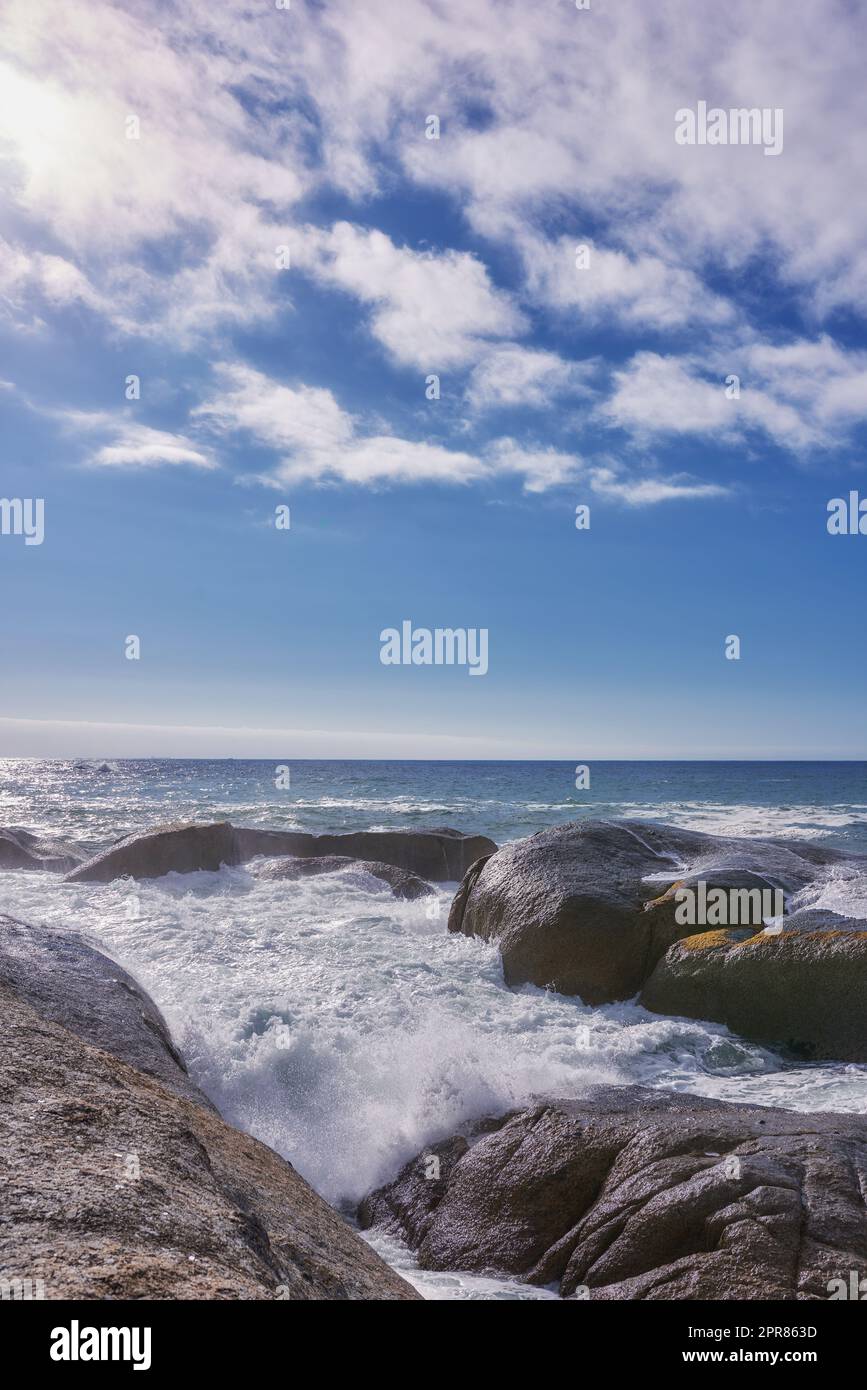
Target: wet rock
436	855
589	909
68	982
289	868
119	1180
21	849
637	1194
440	856
180	849
801	990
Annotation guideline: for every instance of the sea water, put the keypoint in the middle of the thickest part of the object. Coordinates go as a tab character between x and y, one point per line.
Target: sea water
348	1029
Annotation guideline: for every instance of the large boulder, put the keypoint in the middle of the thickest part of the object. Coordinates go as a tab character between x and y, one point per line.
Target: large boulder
68	982
441	855
290	869
588	908
566	908
638	1194
180	849
22	849
123	1183
800	989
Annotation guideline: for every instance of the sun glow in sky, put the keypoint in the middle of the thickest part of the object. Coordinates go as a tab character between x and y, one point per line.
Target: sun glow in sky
431	350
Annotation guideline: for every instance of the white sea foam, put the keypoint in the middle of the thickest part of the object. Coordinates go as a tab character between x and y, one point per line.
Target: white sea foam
348	1029
459	1286
793	822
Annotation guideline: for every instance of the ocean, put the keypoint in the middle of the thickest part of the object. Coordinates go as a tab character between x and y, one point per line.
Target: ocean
348	1029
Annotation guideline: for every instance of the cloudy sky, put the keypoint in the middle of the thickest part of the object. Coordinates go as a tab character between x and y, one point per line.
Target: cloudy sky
240	205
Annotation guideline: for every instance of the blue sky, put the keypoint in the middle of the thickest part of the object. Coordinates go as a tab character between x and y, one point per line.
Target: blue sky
305	385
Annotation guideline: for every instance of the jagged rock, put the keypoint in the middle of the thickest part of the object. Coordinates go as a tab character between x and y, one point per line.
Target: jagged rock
639	1194
124	1184
801	990
21	849
402	884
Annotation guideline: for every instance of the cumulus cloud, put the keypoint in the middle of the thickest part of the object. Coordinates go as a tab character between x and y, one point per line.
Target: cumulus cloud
801	395
429	310
637	291
579	115
529	377
554	133
317	440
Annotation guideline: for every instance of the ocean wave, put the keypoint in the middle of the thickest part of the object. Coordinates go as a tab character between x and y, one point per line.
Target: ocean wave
349	1029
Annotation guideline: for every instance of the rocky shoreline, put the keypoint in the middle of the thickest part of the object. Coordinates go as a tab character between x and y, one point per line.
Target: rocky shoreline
120	1179
638	1194
123	1181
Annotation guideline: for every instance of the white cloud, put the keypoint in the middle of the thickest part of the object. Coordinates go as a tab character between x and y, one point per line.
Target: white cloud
33	281
801	395
643	492
318	440
138	446
129	444
306	418
540	467
519	376
431	310
201	184
244	110
638	291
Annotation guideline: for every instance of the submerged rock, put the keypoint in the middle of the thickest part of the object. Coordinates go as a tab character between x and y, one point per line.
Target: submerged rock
120	1181
21	849
402	884
637	1194
801	989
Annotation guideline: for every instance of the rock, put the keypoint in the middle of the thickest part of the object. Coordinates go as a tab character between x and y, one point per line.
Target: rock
566	908
583	908
21	849
402	884
440	856
406	1206
180	849
639	1194
119	1184
801	990
69	983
